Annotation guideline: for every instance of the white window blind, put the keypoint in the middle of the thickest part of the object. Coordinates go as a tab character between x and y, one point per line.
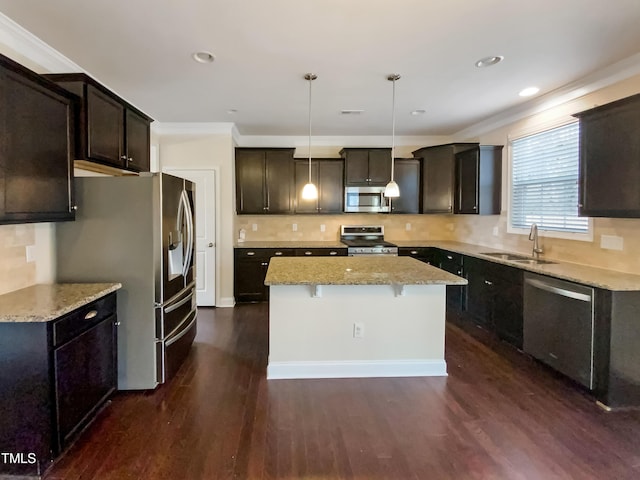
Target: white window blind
544	183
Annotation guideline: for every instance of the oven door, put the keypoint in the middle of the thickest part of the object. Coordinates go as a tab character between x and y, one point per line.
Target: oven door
365	199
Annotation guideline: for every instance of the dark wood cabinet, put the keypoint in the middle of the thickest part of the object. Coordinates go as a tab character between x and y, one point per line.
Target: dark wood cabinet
424	254
367	166
478	180
109	131
407	176
36	172
264	180
495	298
328	177
610	160
438	175
56	376
251	264
453	263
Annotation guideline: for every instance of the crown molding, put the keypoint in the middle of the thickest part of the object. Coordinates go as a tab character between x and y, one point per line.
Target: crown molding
193	128
27	44
365	141
602	78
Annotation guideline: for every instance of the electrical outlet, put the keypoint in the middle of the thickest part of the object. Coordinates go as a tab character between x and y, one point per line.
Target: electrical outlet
358	330
496	231
30	253
254	227
611	242
322	227
294	227
407	226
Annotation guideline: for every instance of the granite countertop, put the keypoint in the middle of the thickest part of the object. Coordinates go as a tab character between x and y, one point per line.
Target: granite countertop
356	271
42	303
595	277
291	244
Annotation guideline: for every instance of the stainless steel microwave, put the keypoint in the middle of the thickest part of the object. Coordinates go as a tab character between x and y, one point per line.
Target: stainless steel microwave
365	199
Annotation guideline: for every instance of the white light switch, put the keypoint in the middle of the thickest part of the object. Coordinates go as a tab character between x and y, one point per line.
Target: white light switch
294	227
611	242
254	227
30	253
322	227
407	226
496	231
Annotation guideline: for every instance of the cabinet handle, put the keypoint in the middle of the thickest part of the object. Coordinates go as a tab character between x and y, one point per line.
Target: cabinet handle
333	253
131	159
117	324
123	157
278	253
251	254
488	282
414	252
319	208
264	264
73	208
265	208
580	205
459	272
308	253
91	314
475	207
449	257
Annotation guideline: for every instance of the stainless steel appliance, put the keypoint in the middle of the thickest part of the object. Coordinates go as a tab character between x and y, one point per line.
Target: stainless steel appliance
365	199
139	231
558	325
366	240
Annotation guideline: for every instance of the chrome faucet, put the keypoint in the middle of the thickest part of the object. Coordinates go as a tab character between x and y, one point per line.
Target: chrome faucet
533	236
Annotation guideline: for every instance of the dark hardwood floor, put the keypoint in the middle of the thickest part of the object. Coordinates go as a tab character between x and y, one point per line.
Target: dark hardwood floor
498	415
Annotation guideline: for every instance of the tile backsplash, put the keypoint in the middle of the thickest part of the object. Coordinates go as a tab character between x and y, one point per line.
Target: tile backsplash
15	271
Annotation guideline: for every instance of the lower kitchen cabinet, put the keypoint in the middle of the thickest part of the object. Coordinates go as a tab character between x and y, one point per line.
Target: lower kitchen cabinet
453	263
55	377
424	254
495	298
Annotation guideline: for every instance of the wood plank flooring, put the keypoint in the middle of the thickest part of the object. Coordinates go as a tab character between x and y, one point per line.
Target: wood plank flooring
499	415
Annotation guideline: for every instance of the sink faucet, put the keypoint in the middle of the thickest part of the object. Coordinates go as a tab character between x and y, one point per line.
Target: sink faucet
533	236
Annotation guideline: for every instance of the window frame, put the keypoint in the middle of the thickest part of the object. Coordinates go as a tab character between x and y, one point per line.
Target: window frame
579	236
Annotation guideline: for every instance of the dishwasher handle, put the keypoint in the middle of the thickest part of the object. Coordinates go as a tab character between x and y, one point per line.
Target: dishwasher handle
558	291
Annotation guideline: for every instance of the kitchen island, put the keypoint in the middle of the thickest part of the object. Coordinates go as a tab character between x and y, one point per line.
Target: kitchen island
380	316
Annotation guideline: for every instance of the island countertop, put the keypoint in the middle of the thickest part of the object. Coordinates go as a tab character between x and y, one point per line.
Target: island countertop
42	303
382	270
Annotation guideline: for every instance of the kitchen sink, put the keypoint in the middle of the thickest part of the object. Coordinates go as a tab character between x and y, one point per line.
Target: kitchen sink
517	258
534	261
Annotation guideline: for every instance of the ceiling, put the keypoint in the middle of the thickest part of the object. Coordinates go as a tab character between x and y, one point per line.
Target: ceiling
142	50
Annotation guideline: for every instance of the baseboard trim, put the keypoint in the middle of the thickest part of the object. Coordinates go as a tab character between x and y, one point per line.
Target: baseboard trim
357	369
226	302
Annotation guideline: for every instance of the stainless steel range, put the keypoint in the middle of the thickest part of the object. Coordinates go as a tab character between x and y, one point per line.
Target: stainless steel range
366	240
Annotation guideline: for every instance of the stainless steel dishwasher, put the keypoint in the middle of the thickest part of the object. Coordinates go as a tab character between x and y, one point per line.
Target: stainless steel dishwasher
558	325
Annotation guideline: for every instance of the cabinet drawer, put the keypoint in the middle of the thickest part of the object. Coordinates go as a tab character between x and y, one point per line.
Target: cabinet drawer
80	320
321	252
264	252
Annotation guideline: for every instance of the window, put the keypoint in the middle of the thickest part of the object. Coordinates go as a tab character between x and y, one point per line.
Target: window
544	181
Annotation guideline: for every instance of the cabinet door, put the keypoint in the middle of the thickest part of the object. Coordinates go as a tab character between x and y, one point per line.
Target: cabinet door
279	181
249	279
250	195
467	176
379	166
85	376
138	142
479	291
506	311
437	180
331	188
35	151
302	178
105	131
356	167
407	175
608	187
452	263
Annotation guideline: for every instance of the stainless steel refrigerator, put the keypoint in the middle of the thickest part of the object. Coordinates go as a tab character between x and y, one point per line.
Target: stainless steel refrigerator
139	231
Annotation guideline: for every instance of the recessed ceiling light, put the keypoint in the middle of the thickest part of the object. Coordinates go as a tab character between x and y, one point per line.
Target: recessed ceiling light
351	112
529	91
489	61
418	112
203	57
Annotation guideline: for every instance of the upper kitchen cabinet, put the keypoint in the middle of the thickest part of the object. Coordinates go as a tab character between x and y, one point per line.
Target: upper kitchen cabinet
438	175
407	176
479	180
264	180
36	124
610	160
328	177
110	131
367	166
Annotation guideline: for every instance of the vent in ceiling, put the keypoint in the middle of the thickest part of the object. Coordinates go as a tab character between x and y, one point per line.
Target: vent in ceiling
351	112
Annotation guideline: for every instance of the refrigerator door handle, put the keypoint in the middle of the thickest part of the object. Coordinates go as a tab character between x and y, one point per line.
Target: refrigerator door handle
189	224
173	307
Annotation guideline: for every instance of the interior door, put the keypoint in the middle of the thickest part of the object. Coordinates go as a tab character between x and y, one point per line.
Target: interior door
205	215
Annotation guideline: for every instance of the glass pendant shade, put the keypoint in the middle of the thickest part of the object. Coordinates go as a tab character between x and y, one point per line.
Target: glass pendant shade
392	190
310	192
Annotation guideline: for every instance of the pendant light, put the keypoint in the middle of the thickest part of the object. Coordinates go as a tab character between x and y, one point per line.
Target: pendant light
392	190
309	191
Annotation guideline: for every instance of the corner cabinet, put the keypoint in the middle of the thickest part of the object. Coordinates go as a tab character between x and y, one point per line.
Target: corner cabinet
610	160
36	173
56	376
438	175
479	180
109	131
264	180
367	166
328	177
